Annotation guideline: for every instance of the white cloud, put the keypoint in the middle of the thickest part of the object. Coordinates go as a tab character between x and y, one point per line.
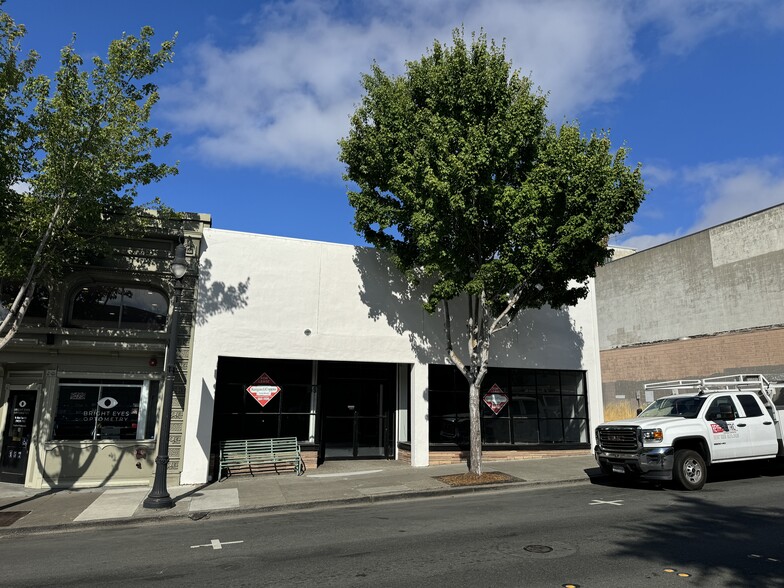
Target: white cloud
284	99
21	187
685	24
737	189
727	190
281	97
640	242
657	175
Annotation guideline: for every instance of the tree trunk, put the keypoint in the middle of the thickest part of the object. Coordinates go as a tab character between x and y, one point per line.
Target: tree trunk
13	319
10	323
475	459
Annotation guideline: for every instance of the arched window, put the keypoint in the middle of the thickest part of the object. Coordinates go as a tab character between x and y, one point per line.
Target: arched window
119	307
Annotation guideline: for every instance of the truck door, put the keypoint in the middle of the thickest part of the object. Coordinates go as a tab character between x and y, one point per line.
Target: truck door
759	424
728	440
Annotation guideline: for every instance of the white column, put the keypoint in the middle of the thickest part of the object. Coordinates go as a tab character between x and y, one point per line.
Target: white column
198	427
420	439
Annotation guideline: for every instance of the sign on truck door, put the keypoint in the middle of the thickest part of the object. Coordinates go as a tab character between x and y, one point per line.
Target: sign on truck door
728	440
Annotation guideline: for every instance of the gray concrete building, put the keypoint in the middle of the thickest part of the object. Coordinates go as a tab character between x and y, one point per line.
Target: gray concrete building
708	304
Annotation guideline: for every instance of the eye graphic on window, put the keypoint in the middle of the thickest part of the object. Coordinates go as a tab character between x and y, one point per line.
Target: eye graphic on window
107	402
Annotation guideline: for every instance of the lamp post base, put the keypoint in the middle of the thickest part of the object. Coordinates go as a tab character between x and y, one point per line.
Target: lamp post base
164	501
159	495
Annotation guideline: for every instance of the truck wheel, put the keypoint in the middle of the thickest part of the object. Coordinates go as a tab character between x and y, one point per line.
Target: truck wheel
689	469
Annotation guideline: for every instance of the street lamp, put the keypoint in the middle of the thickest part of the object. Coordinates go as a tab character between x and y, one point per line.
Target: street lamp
159	495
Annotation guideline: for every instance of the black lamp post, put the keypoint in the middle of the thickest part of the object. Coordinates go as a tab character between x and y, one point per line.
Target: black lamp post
159	495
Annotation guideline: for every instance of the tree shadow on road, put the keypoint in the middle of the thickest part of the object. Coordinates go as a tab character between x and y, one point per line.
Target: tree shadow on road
696	535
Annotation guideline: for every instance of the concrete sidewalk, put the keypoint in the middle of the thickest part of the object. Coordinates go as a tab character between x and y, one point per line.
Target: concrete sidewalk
337	482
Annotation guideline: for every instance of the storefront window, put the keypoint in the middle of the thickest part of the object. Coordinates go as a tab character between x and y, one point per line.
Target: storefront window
545	407
290	413
118	307
105	409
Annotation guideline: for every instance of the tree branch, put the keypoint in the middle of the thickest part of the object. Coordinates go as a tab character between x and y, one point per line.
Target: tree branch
450	350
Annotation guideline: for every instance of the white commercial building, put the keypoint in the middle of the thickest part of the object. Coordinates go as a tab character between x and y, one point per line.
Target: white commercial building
361	367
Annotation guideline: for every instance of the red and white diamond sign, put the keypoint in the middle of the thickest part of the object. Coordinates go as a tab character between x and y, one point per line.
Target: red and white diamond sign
263	389
496	399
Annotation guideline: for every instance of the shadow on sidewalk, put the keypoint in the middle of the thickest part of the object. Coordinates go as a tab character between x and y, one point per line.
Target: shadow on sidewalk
49	492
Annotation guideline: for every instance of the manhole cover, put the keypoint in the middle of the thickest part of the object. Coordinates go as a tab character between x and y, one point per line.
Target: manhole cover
553	549
538	548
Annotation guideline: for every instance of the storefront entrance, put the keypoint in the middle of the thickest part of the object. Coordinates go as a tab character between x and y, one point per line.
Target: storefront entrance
356	410
355	423
17	436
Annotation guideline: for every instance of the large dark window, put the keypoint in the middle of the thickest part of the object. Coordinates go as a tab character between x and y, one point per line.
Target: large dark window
127	307
545	407
290	413
105	409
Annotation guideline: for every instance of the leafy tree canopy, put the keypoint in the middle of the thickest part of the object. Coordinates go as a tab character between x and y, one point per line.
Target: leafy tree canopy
462	178
74	151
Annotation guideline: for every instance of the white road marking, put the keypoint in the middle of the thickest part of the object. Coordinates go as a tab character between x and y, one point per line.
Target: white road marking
613	502
216	544
756	556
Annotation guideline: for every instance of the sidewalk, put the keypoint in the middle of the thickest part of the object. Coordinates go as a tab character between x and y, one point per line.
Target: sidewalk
338	482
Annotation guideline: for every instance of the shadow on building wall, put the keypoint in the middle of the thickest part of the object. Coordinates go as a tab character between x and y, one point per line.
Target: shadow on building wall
218	297
545	338
64	463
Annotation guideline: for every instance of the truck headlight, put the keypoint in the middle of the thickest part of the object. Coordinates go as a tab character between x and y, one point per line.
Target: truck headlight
652	435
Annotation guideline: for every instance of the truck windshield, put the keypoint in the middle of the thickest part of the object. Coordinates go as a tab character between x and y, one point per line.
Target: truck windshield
675	406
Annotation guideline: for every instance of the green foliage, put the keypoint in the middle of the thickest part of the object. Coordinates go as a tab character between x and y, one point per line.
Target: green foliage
462	178
80	146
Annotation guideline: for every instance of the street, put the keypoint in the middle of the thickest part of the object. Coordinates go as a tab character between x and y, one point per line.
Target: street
730	534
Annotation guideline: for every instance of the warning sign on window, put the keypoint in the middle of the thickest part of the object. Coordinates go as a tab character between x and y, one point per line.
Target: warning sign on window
263	389
496	399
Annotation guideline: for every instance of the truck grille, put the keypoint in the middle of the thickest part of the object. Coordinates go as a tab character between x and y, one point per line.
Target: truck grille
620	439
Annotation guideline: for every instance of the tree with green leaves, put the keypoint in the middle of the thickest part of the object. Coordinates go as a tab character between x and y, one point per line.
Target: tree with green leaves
75	149
462	179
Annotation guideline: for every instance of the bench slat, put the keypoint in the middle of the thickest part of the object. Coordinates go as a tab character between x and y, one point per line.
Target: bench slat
246	453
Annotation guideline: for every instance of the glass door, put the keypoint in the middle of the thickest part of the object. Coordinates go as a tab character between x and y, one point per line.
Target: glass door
355	422
17	436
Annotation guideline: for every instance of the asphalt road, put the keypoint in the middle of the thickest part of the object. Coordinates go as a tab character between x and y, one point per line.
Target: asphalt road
729	534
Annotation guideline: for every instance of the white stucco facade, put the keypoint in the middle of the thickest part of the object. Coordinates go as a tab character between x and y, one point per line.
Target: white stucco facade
273	297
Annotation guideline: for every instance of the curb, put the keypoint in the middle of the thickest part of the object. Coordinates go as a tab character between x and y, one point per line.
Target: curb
289	507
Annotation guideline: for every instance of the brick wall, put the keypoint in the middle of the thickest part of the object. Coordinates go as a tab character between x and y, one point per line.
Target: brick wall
458	456
626	369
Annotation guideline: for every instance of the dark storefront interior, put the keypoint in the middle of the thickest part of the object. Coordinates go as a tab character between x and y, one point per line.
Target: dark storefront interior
348	413
545	408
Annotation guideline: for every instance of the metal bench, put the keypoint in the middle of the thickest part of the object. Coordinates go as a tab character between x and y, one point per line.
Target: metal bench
245	454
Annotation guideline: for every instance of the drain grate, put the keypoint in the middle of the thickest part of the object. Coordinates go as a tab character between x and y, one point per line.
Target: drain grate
8	518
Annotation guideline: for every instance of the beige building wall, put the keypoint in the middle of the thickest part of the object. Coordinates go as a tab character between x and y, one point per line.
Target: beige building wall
48	349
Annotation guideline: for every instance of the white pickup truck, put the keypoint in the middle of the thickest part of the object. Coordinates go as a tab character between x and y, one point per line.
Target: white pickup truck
700	422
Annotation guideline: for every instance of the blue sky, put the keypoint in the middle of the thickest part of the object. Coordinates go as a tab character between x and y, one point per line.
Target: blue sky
260	92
